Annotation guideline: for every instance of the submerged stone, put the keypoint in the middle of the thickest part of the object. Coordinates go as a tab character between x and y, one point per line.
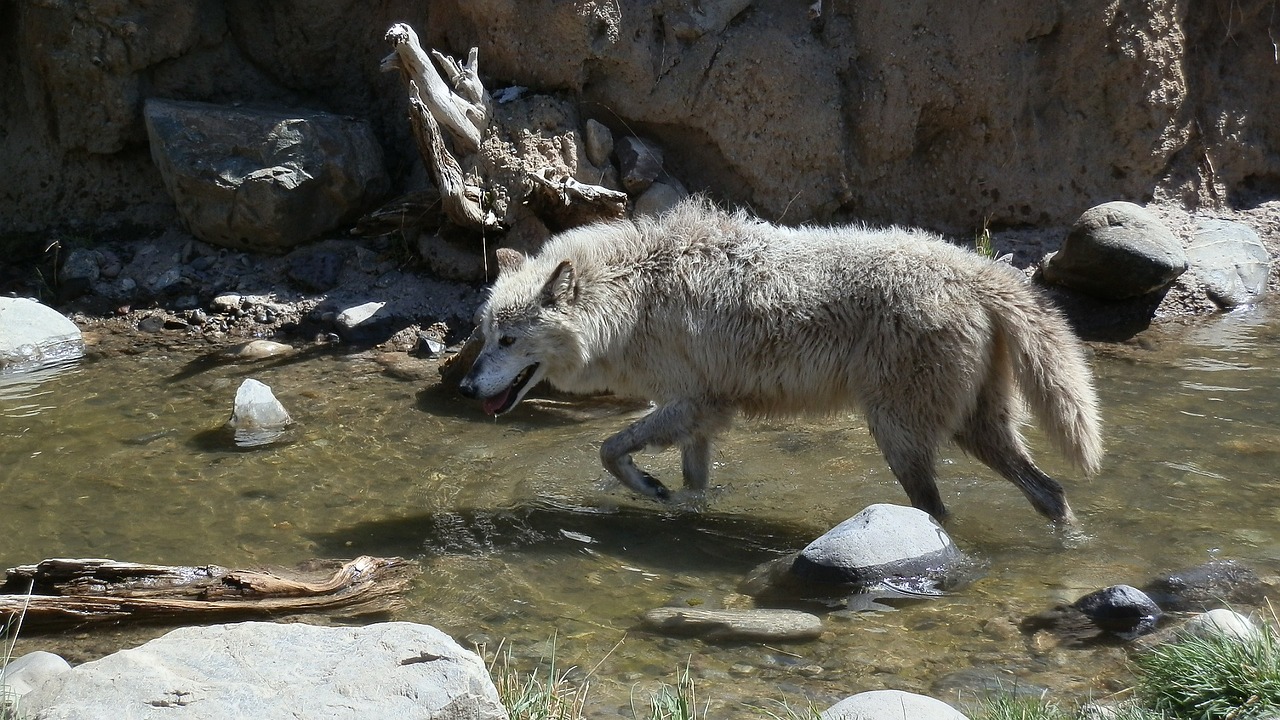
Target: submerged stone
765	625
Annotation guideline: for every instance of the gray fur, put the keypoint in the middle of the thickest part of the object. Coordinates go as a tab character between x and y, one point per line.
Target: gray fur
710	314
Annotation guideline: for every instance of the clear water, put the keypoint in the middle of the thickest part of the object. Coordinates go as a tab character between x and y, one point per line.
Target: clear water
521	541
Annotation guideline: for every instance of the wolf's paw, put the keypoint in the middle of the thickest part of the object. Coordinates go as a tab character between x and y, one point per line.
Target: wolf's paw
654	487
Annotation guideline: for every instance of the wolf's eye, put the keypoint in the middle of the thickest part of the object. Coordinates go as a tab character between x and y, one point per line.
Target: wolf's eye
506	341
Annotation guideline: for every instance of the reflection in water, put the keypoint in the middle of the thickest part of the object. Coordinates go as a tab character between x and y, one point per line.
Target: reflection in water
20	392
523	538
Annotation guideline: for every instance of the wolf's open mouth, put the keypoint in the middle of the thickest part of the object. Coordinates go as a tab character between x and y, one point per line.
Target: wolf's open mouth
505	400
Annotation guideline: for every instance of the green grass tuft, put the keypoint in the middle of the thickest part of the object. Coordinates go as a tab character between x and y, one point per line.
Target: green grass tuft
534	696
678	702
1213	677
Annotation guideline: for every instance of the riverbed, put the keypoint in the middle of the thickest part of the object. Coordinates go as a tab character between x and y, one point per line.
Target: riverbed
523	541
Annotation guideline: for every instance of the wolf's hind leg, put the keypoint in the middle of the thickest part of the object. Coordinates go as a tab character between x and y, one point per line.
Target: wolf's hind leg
682	422
910	455
991	435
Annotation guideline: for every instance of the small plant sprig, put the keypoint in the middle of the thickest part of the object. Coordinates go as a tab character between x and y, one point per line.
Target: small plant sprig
9	709
678	702
982	241
532	696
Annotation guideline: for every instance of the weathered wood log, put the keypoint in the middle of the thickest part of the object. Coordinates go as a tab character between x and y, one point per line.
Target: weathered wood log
566	203
60	592
460	200
465	113
488	167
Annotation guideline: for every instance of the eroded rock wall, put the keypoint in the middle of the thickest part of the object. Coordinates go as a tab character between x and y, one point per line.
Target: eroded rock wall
923	112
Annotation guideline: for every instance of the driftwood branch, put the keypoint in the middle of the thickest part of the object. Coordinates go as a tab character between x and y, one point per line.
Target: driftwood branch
460	200
489	162
568	203
61	592
465	113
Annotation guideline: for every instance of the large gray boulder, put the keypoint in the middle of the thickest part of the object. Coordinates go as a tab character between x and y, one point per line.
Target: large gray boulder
28	672
1231	261
884	552
270	671
1115	251
264	180
33	335
891	705
882	542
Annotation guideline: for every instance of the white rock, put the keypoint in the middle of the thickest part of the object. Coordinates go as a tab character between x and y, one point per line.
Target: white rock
1221	622
881	541
32	335
258	417
270	671
225	303
24	674
358	315
891	705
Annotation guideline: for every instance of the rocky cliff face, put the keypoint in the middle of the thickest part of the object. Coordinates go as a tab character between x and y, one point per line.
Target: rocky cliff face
923	112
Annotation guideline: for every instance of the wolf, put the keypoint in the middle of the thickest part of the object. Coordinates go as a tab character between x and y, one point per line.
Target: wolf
709	314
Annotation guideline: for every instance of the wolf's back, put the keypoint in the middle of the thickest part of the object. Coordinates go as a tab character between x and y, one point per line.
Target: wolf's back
1049	365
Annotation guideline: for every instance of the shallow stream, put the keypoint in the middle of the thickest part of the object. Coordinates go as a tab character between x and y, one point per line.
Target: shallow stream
521	541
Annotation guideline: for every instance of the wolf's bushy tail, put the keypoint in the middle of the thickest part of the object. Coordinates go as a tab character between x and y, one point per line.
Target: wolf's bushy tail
1049	366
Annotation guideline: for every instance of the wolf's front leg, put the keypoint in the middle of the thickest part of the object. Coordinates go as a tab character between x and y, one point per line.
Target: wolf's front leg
686	423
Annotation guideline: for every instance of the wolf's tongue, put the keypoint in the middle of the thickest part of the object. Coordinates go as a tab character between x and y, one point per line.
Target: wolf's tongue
492	404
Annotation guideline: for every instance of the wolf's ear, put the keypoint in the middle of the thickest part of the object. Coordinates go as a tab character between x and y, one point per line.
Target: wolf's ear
509	260
562	288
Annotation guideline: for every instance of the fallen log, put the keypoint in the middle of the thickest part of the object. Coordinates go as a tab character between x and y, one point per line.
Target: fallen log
61	592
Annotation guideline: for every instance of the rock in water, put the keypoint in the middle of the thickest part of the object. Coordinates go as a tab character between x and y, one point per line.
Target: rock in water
258	418
33	336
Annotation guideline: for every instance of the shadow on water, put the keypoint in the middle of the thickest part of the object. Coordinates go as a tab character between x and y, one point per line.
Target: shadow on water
683	541
542	407
218	360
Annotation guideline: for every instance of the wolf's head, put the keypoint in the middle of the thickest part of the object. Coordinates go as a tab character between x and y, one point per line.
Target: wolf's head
529	331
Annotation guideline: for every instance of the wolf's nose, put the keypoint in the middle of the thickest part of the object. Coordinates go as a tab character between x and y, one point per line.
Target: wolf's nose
467	388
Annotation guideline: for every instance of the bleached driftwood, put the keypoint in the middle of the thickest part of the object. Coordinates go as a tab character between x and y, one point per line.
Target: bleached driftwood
448	94
568	203
465	108
60	592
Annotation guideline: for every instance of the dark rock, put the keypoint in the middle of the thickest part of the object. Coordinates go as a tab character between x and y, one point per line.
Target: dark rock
1120	609
263	180
1231	261
640	163
1204	587
151	324
1117	250
316	269
78	273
